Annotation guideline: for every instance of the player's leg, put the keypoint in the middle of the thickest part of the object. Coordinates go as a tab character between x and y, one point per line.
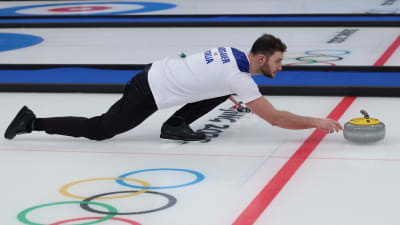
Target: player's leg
133	108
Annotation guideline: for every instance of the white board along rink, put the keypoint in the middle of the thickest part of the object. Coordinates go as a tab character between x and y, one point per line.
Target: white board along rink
315	46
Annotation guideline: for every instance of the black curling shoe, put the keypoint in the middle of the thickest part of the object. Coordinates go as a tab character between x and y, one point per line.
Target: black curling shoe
21	124
182	132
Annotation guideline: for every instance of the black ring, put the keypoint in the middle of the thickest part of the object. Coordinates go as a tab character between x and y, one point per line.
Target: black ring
337	58
171	201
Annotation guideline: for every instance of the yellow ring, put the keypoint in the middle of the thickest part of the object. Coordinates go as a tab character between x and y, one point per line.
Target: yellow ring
64	189
363	121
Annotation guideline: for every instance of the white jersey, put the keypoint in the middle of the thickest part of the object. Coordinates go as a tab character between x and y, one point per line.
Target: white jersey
214	73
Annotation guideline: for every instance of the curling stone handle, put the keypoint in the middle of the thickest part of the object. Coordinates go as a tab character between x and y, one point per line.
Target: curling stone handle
366	116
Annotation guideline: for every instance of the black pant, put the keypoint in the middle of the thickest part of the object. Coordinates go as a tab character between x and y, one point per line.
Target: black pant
136	104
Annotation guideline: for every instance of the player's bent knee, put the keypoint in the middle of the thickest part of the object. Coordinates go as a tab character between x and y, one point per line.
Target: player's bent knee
95	130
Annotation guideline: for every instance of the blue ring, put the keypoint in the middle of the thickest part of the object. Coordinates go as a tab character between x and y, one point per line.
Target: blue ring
344	52
147	7
199	177
12	41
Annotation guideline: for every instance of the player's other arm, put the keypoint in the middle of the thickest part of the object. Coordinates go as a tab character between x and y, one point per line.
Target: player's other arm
264	109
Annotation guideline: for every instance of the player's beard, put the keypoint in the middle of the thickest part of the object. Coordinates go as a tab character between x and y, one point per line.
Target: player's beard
266	73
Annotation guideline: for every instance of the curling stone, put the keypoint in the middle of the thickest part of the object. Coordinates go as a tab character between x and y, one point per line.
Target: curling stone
364	129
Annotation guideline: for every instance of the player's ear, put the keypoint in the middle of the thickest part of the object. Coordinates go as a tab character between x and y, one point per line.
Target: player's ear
261	58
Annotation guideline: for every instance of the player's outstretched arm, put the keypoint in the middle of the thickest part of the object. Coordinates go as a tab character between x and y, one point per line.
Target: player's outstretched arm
264	109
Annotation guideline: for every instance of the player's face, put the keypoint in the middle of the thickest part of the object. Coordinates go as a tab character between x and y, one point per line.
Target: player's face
272	64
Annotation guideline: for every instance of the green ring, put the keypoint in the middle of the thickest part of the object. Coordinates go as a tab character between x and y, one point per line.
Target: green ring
308	60
22	215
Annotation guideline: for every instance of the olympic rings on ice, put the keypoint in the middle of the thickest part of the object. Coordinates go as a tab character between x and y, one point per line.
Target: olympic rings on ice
313	57
111	212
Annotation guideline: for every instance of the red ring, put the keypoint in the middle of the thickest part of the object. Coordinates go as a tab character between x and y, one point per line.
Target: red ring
79	9
96	218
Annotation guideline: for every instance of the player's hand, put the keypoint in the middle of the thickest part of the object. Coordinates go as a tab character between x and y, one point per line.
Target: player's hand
243	109
329	126
240	108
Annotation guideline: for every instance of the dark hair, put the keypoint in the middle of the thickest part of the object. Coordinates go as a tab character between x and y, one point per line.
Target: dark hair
267	44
